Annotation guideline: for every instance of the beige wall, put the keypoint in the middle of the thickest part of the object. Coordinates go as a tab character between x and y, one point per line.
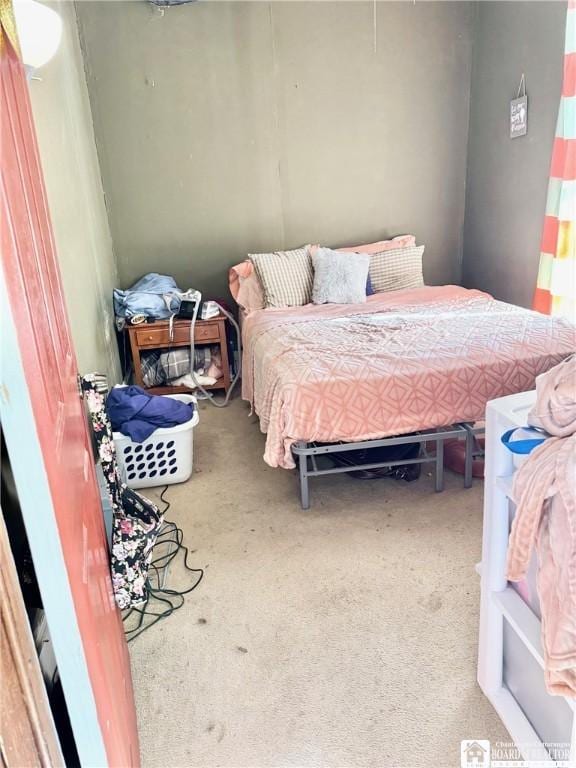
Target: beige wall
508	178
229	127
63	121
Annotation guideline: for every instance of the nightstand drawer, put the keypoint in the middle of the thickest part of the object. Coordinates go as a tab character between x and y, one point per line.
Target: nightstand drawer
206	332
160	337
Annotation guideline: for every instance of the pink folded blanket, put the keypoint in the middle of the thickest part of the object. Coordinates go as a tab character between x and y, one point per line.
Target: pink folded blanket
555	408
545	494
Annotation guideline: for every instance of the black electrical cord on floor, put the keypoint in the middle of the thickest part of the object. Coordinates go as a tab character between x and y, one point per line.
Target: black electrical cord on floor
164	501
173	599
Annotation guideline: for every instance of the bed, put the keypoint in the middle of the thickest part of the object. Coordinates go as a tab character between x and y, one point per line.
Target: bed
403	362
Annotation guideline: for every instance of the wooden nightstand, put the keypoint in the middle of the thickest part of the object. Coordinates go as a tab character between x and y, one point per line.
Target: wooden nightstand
149	336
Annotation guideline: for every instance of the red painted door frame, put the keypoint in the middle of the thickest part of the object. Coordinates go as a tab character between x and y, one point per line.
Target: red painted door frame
33	285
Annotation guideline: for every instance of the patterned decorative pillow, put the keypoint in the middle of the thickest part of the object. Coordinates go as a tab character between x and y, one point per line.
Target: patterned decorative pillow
398	268
286	276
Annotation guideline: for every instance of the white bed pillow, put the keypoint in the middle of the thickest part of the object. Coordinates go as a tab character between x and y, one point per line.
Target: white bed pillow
286	276
396	268
339	277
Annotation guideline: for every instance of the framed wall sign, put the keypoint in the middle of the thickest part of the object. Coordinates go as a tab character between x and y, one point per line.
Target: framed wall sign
519	112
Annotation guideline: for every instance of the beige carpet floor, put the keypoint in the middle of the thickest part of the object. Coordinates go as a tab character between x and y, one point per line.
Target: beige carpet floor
341	636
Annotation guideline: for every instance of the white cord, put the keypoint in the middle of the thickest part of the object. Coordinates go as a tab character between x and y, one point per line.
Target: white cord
209	395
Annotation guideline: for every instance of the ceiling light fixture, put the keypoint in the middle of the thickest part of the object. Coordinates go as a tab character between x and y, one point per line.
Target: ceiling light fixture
39	32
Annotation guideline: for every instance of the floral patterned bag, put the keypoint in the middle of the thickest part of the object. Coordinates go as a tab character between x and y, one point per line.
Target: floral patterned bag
136	521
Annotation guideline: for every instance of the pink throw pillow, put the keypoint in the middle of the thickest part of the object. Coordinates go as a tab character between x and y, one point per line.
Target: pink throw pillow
401	241
245	286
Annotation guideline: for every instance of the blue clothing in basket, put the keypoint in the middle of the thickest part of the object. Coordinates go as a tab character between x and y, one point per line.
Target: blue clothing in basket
137	414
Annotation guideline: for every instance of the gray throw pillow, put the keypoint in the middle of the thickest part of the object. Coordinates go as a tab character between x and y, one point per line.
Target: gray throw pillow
339	277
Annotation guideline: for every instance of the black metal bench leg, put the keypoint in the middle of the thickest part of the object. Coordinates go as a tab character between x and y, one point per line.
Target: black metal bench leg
304	481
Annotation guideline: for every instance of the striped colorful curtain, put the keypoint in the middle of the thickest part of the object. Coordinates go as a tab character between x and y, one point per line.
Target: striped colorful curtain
556	286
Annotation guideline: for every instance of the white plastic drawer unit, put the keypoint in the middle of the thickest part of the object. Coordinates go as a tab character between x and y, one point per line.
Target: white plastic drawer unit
510	662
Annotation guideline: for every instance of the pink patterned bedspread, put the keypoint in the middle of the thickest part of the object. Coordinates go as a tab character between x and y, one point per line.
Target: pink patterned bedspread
402	362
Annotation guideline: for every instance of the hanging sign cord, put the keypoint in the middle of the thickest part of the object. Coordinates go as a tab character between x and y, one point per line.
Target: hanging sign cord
521	87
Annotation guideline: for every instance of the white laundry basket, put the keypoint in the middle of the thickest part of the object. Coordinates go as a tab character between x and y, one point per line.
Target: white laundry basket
163	459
